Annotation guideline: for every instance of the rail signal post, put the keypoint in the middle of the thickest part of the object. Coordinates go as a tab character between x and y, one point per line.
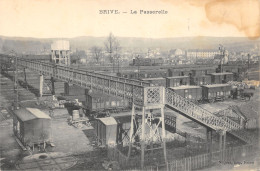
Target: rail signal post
145	131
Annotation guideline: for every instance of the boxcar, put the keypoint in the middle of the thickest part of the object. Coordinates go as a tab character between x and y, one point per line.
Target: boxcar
153	73
31	126
220	78
74	90
194	93
128	74
98	102
200	80
177	81
156	81
215	92
202	71
179	72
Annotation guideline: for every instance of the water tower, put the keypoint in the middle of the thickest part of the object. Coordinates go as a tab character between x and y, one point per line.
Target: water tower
60	52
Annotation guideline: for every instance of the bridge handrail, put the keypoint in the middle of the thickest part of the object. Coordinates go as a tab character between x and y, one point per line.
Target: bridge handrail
198	112
132	81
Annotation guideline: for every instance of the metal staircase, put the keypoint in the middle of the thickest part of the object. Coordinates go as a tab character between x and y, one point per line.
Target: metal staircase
204	117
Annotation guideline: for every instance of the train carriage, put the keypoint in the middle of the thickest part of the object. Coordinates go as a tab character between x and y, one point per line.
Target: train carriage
156	81
177	81
220	78
96	103
200	80
193	93
215	92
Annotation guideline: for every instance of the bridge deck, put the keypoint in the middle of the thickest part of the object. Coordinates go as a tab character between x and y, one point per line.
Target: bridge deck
138	92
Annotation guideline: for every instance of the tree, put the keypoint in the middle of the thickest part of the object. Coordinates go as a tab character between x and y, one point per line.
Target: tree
97	53
112	47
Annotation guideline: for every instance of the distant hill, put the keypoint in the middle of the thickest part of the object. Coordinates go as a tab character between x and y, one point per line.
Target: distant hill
33	45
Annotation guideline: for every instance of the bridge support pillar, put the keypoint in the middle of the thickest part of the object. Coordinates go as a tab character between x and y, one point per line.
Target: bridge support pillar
145	131
209	143
222	144
52	86
41	86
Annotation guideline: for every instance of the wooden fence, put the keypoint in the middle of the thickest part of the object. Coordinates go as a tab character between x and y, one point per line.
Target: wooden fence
188	163
206	160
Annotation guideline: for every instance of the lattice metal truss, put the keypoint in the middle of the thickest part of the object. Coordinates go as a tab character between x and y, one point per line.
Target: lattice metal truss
203	116
121	87
136	91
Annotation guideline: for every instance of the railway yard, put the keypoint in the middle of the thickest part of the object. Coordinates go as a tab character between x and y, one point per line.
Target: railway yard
91	131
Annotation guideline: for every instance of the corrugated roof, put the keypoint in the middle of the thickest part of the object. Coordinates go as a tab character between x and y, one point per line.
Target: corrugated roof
178	77
147	79
185	87
216	85
222	73
108	121
30	114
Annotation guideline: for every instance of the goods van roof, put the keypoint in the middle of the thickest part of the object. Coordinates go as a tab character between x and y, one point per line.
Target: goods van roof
185	87
216	85
222	73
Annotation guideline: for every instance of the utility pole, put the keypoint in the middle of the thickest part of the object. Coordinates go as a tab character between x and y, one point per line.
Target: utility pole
222	50
15	82
248	55
138	66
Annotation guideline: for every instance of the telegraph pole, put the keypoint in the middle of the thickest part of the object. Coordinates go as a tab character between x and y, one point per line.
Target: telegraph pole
221	49
15	82
248	55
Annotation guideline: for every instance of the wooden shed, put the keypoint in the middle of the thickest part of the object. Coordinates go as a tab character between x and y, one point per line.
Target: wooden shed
106	131
31	126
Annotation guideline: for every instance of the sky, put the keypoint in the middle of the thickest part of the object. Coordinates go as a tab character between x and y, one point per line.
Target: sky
72	18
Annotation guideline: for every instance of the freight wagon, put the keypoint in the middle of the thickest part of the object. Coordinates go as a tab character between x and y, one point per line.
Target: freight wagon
153	73
128	74
200	80
177	81
143	74
74	90
147	61
220	78
193	93
179	72
202	71
216	92
96	103
156	81
32	127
